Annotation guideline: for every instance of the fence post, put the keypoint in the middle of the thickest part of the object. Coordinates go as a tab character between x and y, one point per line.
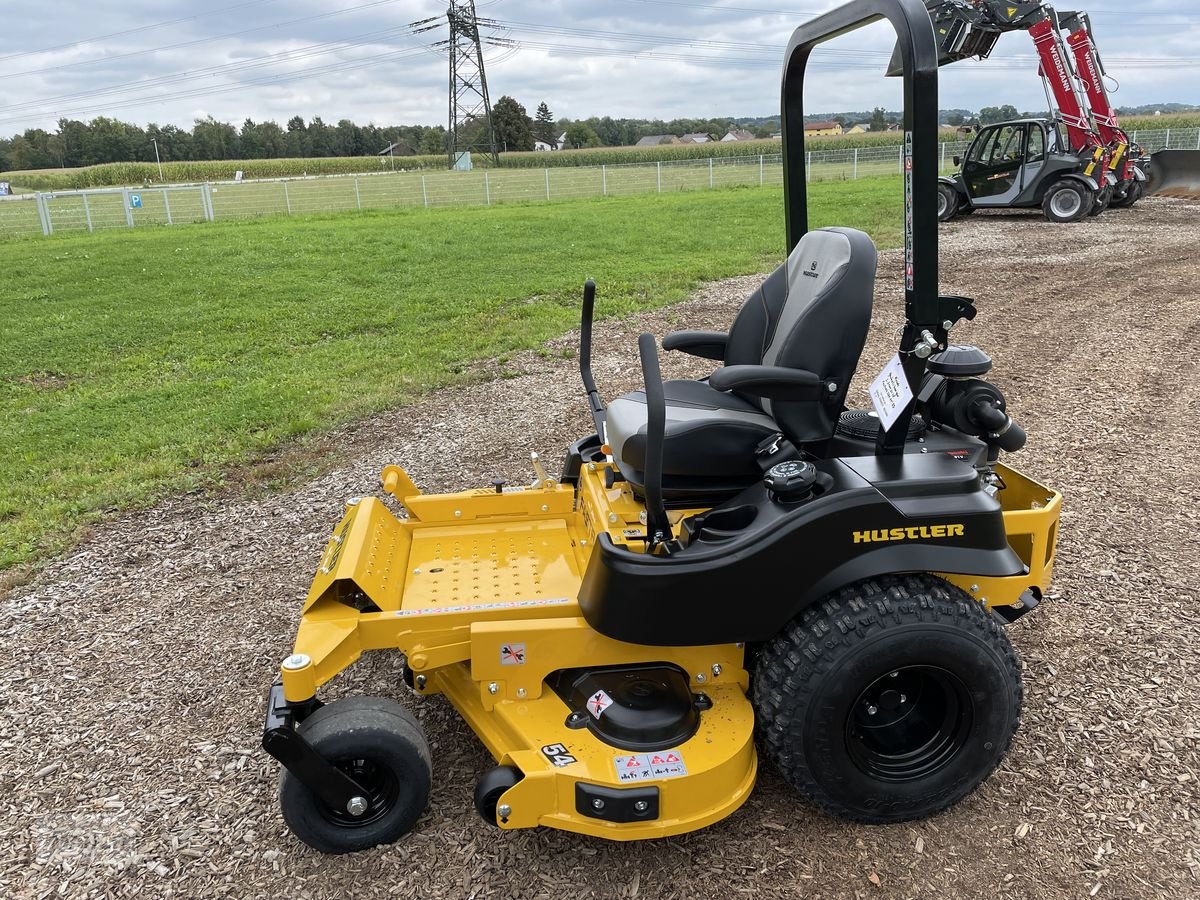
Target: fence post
1167	142
487	190
808	166
287	198
357	194
128	209
166	206
1198	138
710	173
942	164
659	177
87	211
206	201
424	192
856	164
547	170
760	170
603	181
43	213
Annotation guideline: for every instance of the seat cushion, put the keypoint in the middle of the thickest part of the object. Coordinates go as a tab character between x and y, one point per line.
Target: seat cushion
708	433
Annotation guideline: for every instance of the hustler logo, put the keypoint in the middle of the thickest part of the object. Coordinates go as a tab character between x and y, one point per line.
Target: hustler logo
915	533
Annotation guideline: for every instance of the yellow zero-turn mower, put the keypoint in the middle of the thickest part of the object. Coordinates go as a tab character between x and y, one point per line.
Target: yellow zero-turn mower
726	562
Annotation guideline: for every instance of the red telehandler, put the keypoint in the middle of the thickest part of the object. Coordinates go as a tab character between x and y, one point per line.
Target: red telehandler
1000	173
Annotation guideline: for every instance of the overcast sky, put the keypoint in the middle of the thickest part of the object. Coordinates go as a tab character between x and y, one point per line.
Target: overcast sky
172	61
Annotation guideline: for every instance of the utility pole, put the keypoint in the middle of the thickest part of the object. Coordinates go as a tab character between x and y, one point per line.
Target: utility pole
157	159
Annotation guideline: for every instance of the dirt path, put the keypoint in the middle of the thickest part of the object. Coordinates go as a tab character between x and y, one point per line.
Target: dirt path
134	669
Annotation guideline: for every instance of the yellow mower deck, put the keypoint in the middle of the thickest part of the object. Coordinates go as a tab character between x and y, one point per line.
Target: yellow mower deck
478	589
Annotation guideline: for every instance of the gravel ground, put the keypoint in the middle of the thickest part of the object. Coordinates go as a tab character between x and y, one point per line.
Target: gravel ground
134	669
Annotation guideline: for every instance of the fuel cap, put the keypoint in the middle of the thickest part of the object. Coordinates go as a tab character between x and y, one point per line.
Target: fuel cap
791	481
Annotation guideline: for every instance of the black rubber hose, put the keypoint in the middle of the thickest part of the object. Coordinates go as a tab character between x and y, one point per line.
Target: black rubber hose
1009	436
658	526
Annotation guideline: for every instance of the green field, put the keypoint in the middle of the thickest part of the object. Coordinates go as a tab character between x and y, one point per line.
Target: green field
143	362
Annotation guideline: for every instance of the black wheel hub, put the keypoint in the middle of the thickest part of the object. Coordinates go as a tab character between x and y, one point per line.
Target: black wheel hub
381	790
909	723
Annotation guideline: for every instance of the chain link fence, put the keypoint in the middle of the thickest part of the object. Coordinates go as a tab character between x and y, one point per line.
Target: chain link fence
98	209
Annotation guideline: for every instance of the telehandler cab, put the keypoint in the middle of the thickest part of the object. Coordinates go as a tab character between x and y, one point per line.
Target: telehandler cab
727	558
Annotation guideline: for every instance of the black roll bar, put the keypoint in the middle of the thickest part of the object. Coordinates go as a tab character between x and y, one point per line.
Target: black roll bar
917	52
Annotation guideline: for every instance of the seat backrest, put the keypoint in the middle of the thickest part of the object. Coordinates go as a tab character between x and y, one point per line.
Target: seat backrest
811	313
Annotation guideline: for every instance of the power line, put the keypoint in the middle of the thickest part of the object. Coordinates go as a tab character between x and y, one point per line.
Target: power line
338	67
257	62
140	28
206	40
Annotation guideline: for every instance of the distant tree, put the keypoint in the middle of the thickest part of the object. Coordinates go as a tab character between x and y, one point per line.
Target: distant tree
991	114
296	143
955	119
514	128
580	134
214	140
878	119
544	128
434	141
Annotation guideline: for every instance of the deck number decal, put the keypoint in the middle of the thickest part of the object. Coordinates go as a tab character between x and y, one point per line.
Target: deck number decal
649	766
558	754
890	392
598	703
512	654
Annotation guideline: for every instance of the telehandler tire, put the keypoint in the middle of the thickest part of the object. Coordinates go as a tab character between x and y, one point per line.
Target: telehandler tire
1103	200
1133	194
947	202
891	700
1067	201
380	745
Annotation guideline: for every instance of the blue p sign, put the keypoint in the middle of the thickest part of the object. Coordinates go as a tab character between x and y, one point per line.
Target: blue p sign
135	201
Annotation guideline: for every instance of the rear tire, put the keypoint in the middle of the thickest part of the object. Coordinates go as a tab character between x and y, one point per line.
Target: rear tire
891	700
1133	194
1103	199
1067	201
948	201
380	745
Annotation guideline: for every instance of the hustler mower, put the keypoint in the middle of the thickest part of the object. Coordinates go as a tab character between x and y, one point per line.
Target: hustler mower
726	567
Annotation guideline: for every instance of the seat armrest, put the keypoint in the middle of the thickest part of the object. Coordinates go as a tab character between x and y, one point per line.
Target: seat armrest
771	382
705	344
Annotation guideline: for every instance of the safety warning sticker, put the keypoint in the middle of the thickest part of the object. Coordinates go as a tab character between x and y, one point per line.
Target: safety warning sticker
512	654
598	703
649	766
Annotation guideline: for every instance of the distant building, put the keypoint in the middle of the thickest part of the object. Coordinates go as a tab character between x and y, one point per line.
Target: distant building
562	141
860	128
813	128
542	146
695	139
655	140
737	135
400	148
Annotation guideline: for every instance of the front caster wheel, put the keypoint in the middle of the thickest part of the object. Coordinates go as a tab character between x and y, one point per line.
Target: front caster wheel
489	790
891	700
379	744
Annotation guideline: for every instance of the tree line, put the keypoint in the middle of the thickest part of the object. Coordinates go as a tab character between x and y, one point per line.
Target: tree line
103	140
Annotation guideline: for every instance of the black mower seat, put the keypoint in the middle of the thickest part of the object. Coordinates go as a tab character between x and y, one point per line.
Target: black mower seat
811	314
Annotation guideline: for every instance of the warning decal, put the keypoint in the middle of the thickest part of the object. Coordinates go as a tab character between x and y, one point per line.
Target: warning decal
649	766
512	654
598	703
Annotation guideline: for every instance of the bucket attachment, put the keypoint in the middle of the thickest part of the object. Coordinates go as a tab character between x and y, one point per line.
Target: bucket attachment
1175	173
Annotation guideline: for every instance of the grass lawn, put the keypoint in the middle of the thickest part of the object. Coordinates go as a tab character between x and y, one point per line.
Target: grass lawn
142	362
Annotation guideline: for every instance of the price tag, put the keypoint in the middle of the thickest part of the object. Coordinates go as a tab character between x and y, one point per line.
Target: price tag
890	392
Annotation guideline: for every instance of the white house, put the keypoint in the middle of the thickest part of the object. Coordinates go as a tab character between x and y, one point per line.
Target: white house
542	146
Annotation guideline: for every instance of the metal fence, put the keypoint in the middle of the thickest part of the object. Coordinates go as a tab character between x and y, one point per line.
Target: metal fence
93	210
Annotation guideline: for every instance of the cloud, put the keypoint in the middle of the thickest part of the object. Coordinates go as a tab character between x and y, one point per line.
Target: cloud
272	59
